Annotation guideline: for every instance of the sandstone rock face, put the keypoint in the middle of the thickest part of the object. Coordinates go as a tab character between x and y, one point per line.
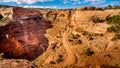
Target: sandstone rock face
24	37
20	12
56	16
6	12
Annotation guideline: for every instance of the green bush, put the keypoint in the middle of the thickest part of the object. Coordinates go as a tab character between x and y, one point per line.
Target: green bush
108	19
113	19
114	29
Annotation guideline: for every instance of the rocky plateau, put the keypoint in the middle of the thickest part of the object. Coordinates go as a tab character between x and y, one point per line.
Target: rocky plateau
54	38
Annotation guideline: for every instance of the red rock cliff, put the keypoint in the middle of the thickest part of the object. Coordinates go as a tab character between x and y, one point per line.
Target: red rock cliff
24	37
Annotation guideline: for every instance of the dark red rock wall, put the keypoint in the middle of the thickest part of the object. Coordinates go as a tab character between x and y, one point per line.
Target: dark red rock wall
24	38
20	12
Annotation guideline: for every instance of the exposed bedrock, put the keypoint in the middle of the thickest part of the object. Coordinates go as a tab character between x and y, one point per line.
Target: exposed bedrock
24	38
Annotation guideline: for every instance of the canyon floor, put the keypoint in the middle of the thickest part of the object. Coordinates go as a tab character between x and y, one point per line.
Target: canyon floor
75	41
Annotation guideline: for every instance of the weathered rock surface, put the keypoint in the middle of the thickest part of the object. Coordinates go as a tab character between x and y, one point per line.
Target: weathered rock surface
24	38
15	63
20	13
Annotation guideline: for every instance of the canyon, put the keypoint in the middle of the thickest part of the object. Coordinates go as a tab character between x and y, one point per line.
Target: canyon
73	39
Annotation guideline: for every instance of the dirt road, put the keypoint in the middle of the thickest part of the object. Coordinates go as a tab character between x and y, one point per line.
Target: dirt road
70	55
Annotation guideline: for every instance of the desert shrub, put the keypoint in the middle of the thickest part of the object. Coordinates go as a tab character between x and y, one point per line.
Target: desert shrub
108	7
4	20
116	7
85	33
116	37
73	36
108	19
52	62
91	38
59	59
91	8
83	8
99	9
89	52
115	21
96	19
111	29
79	41
114	29
112	7
70	40
77	36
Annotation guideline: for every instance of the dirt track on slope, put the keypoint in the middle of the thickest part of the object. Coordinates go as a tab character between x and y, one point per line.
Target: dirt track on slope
70	55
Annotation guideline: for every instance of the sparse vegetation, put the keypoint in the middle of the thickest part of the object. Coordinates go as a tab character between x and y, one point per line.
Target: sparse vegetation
52	62
59	59
89	52
85	33
79	44
108	7
74	36
74	39
91	38
97	19
115	21
7	14
70	40
4	20
116	37
83	8
114	28
91	8
79	41
99	9
112	7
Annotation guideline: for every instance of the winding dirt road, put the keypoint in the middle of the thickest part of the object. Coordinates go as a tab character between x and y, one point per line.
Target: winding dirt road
70	55
71	58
